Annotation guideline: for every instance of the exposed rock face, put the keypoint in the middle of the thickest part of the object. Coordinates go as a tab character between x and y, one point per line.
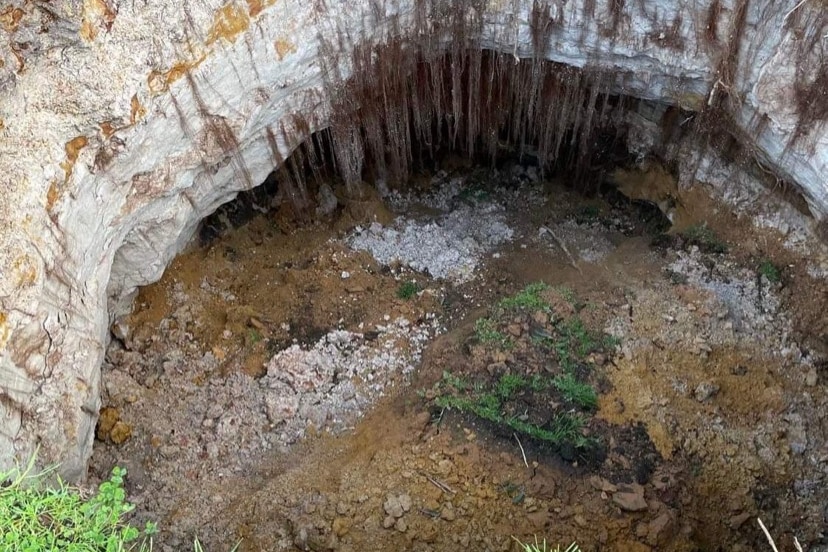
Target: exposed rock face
126	123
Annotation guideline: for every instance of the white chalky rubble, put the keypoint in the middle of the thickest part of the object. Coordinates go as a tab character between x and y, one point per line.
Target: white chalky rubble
108	160
450	248
330	384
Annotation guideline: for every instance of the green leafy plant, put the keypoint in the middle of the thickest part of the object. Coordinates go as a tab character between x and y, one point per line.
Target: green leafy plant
407	290
41	513
770	271
37	517
704	237
576	391
529	298
485	329
253	336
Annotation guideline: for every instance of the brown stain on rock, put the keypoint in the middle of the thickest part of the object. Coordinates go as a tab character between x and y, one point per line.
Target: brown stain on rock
73	148
4	330
283	48
96	14
159	82
10	19
229	22
136	110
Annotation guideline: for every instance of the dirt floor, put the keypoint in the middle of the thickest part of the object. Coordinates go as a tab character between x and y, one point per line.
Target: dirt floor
576	374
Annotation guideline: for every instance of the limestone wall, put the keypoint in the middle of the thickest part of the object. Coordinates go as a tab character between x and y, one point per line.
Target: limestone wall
122	124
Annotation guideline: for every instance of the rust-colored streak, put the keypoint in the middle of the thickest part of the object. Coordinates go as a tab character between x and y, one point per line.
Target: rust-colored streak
254	7
4	330
10	19
229	22
73	148
159	82
136	110
96	14
283	48
52	195
107	129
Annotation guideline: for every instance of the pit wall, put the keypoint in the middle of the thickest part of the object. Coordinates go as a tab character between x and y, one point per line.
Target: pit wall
124	124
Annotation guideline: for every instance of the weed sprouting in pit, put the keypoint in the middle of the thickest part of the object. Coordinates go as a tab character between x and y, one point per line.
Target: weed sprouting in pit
529	298
576	392
486	332
769	270
549	395
408	290
704	238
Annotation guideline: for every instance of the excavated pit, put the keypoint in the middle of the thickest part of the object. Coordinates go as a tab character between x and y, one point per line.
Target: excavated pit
296	379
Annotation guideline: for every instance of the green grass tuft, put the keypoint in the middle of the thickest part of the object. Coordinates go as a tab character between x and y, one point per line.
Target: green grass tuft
527	299
485	329
702	236
542	547
576	392
408	290
770	271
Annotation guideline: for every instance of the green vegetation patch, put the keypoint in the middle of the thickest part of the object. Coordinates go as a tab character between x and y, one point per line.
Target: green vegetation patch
770	271
530	371
38	518
489	404
486	331
529	298
705	238
408	290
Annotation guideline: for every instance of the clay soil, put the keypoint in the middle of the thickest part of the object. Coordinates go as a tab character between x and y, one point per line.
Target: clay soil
708	377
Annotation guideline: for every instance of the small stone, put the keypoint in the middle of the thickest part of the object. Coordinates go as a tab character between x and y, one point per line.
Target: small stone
405	502
341	508
109	416
345	274
401	525
738	520
448	514
811	378
705	391
631	500
657	527
514	329
340	527
393	507
389	522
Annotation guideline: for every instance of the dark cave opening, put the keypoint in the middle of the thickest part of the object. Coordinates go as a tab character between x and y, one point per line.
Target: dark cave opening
403	114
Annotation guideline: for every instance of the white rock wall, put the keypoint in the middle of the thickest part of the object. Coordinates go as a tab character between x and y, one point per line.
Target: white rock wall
107	166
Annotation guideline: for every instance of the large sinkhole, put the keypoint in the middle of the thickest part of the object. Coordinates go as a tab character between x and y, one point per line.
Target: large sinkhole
478	307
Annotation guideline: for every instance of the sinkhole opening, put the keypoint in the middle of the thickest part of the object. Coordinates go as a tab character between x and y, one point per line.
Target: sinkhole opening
488	267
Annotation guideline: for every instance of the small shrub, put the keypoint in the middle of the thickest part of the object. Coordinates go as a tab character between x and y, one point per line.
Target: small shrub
408	290
770	271
703	237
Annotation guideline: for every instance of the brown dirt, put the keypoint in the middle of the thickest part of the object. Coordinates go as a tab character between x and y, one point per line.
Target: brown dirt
722	458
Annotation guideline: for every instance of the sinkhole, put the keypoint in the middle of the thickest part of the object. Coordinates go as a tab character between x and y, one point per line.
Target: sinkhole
486	302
